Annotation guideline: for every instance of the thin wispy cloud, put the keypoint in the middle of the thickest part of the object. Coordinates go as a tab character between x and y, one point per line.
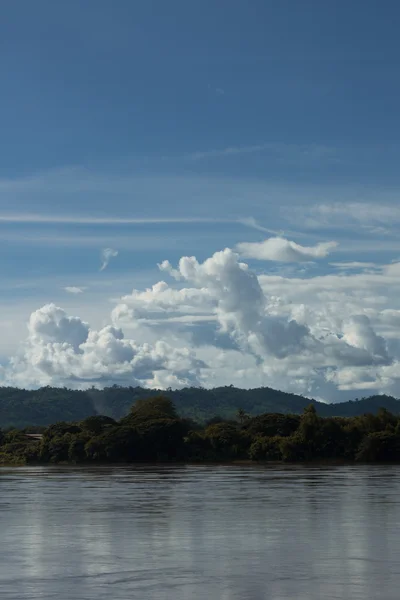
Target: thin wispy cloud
82	220
42	219
289	151
230	151
106	255
374	218
254	224
354	265
219	91
72	289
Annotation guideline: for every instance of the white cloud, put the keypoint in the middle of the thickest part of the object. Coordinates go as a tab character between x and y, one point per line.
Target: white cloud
218	322
106	255
51	323
375	217
391	318
65	350
283	250
354	265
301	332
229	292
358	332
72	289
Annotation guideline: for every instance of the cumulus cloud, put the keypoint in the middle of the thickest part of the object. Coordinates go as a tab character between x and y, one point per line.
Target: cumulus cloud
161	302
283	250
72	289
235	298
227	291
52	324
301	333
359	333
106	255
168	268
65	350
217	322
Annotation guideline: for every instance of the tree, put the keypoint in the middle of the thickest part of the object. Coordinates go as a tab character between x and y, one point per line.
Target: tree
96	424
117	444
157	407
58	448
241	415
379	446
162	439
266	448
274	424
226	440
76	449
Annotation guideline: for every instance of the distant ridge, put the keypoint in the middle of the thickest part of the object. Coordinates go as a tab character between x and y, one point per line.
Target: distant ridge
20	408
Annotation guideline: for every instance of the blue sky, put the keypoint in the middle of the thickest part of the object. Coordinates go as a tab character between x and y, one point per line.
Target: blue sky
168	129
97	84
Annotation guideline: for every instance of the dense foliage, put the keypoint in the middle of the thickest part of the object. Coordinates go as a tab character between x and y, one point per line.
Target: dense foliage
153	431
21	408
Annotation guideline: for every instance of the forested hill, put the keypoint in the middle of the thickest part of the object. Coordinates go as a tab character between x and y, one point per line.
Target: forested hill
20	408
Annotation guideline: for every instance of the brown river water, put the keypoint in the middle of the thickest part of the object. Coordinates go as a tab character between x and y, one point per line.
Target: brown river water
200	533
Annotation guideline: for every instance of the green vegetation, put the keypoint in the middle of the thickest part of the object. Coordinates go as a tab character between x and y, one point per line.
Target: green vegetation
153	431
22	408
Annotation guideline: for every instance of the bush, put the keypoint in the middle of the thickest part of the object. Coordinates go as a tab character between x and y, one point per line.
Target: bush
97	424
119	444
266	448
379	446
271	425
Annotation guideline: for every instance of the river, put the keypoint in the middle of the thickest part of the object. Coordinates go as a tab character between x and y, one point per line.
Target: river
200	532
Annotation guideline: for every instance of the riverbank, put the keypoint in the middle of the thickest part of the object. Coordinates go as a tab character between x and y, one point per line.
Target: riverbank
153	433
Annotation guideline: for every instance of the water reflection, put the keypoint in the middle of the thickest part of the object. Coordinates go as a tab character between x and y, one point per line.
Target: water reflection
215	532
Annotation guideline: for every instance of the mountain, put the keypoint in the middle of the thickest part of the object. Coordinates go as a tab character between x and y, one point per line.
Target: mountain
20	408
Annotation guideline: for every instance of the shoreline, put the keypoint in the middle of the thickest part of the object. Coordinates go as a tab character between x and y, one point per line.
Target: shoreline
235	463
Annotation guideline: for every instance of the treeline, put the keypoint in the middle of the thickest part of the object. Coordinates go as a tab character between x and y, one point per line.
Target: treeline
20	408
154	432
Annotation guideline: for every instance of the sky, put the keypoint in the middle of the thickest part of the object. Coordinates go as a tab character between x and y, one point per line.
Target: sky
201	193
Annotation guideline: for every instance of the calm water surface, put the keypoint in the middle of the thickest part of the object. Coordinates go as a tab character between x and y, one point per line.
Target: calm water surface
215	533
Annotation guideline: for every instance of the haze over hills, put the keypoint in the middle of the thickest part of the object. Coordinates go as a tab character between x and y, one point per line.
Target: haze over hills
47	405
